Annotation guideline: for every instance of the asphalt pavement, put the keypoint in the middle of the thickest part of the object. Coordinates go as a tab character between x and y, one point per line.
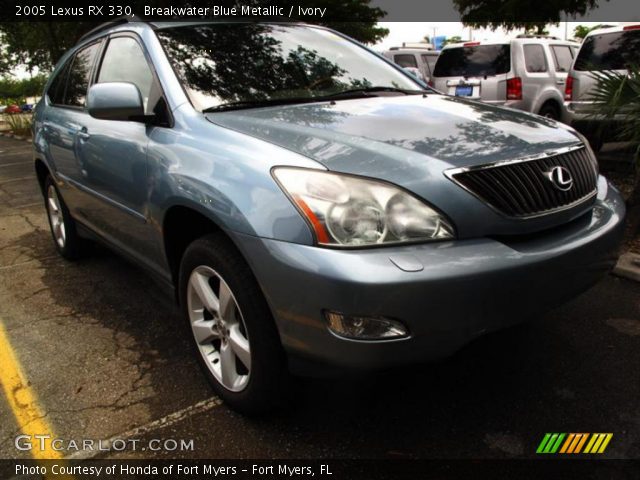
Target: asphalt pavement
106	357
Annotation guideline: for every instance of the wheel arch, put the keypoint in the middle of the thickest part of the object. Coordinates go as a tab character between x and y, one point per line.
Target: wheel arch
183	223
549	100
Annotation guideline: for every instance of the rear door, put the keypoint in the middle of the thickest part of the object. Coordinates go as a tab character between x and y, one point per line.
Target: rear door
63	120
536	75
429	61
474	70
562	59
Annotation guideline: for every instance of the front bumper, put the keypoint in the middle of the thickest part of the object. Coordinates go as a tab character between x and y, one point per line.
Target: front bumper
465	288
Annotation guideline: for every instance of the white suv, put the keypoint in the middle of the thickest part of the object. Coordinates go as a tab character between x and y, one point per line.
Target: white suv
607	49
527	73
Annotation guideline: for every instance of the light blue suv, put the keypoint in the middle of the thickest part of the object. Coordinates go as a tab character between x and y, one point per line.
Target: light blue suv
313	207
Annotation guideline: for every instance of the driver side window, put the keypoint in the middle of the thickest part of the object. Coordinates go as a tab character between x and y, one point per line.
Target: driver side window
124	61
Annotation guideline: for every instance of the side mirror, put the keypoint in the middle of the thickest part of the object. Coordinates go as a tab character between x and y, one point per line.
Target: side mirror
115	101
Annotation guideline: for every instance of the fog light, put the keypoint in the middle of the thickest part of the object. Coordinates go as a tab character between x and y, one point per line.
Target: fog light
364	328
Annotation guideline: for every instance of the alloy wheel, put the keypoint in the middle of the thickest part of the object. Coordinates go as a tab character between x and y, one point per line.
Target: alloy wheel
218	328
56	217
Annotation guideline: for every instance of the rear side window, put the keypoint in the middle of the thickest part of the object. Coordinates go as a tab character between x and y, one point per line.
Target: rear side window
534	58
79	76
474	61
406	60
610	51
58	84
430	60
563	57
124	61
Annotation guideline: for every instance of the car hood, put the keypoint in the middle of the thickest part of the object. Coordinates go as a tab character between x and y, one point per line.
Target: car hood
411	141
372	136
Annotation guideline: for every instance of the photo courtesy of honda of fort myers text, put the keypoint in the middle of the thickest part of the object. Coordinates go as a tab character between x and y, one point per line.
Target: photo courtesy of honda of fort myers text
343	239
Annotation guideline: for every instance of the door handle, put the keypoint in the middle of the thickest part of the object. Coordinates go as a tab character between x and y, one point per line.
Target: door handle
559	82
83	135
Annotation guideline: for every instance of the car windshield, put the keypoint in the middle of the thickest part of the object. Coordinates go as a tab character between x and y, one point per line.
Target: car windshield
249	64
473	61
610	51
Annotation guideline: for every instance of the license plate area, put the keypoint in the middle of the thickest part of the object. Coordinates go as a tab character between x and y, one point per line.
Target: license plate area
464	90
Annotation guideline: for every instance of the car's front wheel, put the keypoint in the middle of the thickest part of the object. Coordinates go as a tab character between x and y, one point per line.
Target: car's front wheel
233	332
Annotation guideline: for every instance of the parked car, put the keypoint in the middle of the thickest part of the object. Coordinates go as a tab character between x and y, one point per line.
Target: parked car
423	59
26	107
2	108
609	49
344	218
12	109
527	73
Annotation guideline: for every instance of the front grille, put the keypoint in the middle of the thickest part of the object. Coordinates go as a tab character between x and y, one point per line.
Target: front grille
524	189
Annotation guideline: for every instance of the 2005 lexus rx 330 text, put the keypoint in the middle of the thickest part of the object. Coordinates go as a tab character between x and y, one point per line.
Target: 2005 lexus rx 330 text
313	206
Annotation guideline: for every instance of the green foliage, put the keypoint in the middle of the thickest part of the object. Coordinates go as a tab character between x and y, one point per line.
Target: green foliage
581	31
511	14
38	44
454	39
617	96
19	123
15	91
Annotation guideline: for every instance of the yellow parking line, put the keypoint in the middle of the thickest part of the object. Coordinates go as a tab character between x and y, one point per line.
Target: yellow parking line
22	400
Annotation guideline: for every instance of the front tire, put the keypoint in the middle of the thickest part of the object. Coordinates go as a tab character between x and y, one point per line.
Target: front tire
234	335
63	227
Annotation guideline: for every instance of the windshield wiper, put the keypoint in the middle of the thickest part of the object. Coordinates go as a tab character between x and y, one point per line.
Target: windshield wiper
370	92
353	93
258	103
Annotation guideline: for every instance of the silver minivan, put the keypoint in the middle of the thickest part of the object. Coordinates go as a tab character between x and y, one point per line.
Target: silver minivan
607	49
527	72
420	58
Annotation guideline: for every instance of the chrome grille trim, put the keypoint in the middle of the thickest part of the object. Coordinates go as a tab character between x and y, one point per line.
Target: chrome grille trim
518	188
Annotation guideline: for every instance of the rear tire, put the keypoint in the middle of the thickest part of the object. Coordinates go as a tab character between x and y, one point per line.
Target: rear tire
62	225
549	110
234	335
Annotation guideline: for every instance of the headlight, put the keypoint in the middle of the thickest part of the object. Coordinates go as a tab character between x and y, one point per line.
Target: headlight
349	211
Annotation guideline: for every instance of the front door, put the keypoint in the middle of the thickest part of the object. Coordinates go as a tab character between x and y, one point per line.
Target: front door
112	155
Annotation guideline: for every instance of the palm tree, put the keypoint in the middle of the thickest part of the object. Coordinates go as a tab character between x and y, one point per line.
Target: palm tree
618	97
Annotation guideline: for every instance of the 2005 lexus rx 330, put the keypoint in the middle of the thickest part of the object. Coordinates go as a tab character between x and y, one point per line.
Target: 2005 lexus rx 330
311	204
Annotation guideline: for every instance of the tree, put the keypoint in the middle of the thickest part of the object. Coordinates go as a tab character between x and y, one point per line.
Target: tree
16	91
454	39
517	14
41	44
582	31
537	30
617	96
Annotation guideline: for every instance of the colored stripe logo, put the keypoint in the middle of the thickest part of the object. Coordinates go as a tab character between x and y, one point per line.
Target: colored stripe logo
574	443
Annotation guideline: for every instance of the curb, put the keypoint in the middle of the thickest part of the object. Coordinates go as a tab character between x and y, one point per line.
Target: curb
628	267
15	137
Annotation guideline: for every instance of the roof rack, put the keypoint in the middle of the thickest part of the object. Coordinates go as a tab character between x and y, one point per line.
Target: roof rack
113	23
537	35
414	46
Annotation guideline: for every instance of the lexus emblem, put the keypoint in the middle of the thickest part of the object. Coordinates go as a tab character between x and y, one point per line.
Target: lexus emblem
561	178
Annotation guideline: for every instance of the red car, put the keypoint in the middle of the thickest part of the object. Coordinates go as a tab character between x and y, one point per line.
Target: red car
13	109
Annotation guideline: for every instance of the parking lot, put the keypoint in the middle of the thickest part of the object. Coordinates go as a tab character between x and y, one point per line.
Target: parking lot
105	356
